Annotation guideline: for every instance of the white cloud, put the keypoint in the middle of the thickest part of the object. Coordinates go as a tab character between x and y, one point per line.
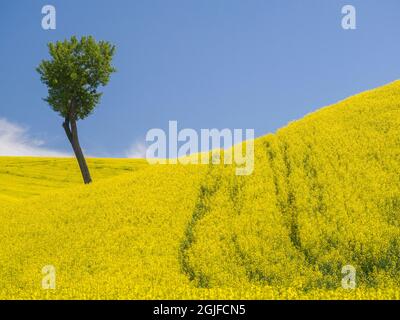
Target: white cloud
15	141
137	150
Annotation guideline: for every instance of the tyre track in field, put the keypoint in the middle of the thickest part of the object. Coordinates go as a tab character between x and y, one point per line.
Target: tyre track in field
206	192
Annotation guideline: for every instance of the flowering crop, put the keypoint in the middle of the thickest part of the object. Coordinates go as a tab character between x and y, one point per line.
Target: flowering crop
325	193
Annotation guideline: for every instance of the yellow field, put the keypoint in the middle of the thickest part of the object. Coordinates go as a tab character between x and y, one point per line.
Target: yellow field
24	177
325	193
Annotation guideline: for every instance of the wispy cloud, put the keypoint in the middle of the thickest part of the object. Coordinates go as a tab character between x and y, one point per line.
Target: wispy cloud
15	141
137	150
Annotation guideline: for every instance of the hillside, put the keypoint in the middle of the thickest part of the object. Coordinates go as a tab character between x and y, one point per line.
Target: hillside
325	193
24	177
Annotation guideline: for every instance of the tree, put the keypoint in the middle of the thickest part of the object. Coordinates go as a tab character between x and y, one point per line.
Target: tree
74	73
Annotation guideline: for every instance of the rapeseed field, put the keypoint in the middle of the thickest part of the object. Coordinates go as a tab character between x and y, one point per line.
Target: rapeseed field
325	193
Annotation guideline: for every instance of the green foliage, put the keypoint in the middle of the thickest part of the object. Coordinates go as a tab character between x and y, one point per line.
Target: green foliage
74	73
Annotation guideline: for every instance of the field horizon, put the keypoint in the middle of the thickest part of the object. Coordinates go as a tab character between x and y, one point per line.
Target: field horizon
324	194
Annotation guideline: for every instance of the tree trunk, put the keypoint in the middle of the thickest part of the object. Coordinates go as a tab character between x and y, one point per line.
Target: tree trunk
71	131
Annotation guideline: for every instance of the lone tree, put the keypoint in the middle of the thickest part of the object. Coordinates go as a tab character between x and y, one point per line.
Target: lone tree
73	75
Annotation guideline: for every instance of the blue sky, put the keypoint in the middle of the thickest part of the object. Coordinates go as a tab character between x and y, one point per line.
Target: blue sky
205	63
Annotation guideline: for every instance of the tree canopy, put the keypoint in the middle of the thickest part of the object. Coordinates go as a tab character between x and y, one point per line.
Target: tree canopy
73	75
